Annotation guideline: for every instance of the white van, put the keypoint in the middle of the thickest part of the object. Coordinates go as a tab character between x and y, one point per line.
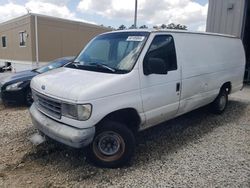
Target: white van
126	81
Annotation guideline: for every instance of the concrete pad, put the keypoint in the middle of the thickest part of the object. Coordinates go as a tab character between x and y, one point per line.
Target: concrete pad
5	74
244	94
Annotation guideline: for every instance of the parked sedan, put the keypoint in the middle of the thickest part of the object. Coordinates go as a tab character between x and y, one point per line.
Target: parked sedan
16	88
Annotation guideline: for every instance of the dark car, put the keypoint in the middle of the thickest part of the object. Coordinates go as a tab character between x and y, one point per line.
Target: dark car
16	88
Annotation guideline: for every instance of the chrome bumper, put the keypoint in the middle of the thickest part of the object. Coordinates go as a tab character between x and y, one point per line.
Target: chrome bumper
65	134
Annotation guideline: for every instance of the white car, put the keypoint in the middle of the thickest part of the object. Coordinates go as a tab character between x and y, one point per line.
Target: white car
126	81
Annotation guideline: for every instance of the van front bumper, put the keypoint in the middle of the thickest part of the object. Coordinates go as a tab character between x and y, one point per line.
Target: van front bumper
60	132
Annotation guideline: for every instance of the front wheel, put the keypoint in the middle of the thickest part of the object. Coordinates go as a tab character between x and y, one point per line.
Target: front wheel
113	145
220	103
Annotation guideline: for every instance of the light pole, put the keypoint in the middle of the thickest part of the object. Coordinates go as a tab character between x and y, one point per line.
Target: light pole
135	19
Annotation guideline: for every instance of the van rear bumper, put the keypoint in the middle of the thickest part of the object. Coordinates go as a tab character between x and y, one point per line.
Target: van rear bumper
60	132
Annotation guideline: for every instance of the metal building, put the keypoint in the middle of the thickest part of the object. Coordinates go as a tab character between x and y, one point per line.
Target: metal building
231	17
32	39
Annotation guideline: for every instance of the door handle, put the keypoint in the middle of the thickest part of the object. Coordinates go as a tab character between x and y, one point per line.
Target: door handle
178	87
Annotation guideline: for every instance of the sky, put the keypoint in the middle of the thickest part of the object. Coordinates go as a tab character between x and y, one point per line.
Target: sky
191	13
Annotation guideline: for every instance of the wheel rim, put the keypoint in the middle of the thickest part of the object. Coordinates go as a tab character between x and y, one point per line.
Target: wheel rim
109	146
29	98
222	102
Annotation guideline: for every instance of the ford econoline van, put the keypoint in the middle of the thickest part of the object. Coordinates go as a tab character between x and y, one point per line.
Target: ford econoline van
127	81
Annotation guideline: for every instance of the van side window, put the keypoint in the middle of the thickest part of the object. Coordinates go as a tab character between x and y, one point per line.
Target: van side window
163	47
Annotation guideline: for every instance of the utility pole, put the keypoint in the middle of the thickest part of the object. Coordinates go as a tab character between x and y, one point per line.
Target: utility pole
135	19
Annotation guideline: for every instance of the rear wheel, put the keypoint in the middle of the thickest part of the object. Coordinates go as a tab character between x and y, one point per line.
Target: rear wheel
220	103
113	145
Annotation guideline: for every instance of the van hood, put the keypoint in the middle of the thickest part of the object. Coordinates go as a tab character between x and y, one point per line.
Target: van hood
78	86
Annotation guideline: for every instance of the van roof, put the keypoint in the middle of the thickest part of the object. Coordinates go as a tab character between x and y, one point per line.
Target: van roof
175	31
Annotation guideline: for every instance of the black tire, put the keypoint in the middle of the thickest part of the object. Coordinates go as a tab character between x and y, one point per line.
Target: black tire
220	103
28	98
113	145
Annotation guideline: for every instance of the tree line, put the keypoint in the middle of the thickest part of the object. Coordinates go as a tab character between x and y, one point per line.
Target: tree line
163	26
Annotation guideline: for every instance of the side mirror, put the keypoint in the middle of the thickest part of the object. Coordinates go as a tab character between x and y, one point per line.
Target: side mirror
155	66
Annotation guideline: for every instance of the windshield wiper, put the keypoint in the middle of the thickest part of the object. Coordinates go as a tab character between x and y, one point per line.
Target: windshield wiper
76	63
99	65
103	66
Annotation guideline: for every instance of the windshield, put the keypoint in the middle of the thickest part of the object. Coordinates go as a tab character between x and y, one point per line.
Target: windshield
53	65
112	52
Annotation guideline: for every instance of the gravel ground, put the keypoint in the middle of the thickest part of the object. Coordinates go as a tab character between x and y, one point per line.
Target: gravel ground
198	149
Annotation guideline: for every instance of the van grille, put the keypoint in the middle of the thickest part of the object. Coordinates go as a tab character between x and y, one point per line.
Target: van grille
47	105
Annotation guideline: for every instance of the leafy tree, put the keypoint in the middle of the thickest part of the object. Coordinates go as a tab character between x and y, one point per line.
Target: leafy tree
176	26
122	27
155	27
132	27
110	27
171	26
143	27
164	26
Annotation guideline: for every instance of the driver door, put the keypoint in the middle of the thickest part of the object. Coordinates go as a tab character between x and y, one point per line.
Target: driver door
161	92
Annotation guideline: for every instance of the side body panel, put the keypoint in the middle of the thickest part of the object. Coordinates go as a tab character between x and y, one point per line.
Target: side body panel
207	63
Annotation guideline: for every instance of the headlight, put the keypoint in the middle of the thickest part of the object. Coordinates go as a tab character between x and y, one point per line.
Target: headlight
79	112
14	87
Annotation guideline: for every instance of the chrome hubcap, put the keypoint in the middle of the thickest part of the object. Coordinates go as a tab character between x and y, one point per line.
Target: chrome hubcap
109	144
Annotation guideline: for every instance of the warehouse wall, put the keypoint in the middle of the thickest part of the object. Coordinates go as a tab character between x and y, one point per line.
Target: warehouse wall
59	37
56	38
226	16
11	29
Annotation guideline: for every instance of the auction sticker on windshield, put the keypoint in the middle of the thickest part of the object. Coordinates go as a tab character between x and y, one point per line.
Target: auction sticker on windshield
135	38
